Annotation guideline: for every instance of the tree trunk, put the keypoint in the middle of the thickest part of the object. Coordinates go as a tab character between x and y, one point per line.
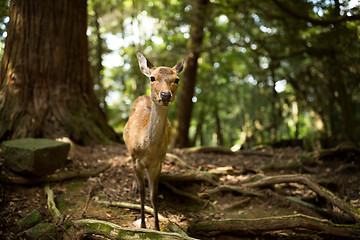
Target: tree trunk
45	84
199	134
99	68
185	104
219	134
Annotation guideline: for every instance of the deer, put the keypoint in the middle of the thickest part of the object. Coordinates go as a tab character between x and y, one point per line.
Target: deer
148	130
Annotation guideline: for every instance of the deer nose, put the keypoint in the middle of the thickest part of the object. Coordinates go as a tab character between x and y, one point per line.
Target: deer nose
165	96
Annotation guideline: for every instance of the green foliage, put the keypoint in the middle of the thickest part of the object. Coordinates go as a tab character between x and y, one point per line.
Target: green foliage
264	73
268	70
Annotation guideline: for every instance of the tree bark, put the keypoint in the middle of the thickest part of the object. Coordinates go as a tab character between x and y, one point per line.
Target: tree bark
99	68
199	134
219	134
45	84
185	104
298	222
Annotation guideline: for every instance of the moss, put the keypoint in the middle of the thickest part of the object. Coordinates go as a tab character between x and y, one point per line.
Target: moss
87	130
30	219
61	203
33	143
107	229
75	185
124	235
70	202
38	230
151	236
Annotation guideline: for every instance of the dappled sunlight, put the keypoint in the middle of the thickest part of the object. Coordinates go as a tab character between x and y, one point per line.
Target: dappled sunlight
265	129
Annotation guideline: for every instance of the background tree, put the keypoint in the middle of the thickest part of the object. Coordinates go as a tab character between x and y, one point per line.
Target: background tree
46	88
268	71
185	101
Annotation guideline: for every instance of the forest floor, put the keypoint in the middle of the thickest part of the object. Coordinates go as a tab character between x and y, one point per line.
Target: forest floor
80	198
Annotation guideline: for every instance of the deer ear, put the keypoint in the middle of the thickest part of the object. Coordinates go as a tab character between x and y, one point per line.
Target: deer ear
179	66
145	65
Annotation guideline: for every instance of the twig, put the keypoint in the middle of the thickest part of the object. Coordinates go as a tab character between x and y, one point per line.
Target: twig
89	196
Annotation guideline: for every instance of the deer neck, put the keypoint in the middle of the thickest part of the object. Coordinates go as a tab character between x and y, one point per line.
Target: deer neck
157	124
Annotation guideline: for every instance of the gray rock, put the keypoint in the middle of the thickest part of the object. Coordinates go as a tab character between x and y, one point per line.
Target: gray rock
37	157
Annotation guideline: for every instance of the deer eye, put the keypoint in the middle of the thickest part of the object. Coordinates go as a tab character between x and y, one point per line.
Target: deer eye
152	79
177	81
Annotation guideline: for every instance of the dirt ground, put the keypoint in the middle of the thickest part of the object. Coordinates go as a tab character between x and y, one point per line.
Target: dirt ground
340	174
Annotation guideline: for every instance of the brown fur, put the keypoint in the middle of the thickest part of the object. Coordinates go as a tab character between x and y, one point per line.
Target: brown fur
147	132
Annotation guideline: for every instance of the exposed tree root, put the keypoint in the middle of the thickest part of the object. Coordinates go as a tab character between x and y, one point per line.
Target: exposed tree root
261	225
189	195
149	210
229	188
346	167
222	150
116	232
256	153
191	176
207	149
321	191
226	170
299	167
342	148
103	228
51	203
295	223
57	177
333	216
182	162
238	204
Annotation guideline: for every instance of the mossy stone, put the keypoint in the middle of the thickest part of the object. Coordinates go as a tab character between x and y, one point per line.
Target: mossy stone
38	230
35	156
30	219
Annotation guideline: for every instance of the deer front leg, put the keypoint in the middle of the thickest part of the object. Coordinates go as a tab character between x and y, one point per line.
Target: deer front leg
153	177
139	173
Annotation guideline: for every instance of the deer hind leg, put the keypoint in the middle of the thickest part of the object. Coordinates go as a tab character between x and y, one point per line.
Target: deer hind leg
134	186
153	178
139	173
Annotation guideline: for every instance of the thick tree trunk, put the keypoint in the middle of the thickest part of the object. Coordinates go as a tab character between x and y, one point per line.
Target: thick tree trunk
185	104
45	84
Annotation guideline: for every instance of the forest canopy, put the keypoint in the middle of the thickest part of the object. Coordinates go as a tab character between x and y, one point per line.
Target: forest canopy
265	70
